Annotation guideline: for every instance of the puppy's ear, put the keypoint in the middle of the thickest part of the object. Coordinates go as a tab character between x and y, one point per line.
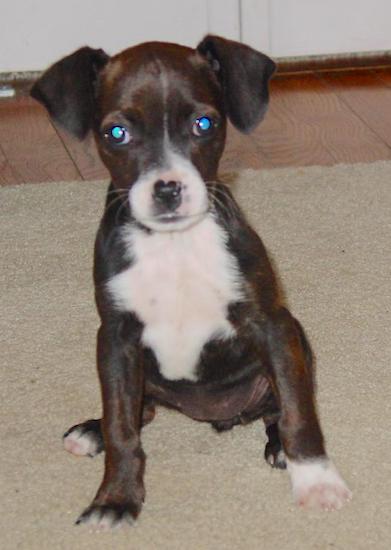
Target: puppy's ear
244	75
67	89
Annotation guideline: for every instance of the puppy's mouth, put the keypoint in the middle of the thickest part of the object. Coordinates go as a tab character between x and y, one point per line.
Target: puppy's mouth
172	221
169	217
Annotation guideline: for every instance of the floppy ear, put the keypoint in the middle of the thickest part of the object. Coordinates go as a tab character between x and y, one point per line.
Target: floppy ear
67	89
244	75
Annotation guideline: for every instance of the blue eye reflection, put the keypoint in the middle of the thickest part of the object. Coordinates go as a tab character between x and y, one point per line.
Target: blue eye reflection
117	132
117	135
204	123
202	126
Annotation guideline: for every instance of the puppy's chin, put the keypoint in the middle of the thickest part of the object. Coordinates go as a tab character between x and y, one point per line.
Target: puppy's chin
165	223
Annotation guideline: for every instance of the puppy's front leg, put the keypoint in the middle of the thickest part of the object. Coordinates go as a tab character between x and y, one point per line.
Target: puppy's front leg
121	493
315	480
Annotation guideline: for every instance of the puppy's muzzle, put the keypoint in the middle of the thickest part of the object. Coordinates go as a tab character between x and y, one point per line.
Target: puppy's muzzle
167	196
171	198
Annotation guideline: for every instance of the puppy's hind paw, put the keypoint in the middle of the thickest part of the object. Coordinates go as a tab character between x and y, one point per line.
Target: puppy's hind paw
274	454
84	439
275	457
317	485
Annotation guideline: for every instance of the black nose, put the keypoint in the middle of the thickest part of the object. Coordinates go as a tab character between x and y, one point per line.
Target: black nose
167	193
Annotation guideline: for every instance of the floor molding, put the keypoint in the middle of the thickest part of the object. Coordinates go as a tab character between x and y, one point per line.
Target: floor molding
338	62
21	82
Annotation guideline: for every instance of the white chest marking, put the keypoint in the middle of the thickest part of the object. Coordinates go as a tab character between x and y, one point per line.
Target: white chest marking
179	286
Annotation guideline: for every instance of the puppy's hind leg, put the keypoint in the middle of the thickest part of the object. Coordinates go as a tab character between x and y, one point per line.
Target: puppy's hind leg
274	454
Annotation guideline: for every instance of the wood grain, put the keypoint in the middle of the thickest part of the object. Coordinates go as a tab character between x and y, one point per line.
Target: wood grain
309	124
84	155
7	175
31	145
368	96
242	151
291	134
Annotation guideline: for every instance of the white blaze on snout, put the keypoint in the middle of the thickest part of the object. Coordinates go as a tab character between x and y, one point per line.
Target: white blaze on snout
194	198
179	286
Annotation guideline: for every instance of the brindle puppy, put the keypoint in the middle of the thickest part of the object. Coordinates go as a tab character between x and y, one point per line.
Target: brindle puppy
191	315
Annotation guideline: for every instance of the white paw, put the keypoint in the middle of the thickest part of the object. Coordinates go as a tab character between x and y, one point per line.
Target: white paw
80	443
108	517
317	485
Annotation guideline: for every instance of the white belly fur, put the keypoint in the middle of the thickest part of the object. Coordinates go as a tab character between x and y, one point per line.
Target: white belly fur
179	285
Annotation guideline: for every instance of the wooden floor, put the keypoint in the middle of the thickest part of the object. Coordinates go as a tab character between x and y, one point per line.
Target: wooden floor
314	118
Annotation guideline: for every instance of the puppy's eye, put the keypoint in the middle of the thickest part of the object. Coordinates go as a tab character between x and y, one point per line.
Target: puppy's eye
202	126
117	135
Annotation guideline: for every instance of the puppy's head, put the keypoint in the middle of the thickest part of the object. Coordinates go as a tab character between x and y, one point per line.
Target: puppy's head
158	112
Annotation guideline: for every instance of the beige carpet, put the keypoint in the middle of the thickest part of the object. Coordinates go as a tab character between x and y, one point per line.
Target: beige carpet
329	230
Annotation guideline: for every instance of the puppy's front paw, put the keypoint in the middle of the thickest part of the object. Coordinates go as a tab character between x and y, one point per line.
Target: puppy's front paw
317	485
109	516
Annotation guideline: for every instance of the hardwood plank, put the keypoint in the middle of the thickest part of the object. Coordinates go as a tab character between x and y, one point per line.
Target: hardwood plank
369	98
84	155
308	124
291	133
7	175
31	145
242	151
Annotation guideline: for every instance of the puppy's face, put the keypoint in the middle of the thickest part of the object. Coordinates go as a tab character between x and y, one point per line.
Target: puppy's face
160	131
158	112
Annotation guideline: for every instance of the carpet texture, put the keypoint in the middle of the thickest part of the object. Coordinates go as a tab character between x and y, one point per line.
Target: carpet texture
328	230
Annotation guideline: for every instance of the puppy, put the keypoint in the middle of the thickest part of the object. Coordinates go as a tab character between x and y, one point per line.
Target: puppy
191	315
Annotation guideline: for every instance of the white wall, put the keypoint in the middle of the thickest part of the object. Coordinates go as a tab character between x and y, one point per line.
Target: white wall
286	28
34	33
315	27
